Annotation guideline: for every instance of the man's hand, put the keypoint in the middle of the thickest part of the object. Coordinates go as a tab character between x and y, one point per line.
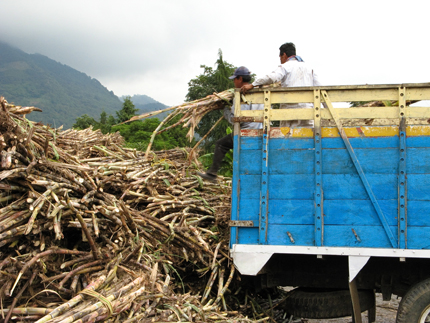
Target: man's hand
246	87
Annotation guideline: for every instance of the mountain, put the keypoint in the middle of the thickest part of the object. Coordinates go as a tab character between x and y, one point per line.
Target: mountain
62	92
147	104
139	99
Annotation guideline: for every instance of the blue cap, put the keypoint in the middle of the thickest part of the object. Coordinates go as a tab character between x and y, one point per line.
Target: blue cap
240	71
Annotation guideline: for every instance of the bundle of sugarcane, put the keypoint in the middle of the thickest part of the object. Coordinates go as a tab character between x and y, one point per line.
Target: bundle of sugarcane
191	113
17	110
27	141
68	217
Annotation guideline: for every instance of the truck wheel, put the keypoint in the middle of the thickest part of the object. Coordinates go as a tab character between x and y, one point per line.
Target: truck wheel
415	305
314	304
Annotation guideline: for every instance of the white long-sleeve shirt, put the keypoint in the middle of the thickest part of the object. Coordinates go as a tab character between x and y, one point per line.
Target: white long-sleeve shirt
291	73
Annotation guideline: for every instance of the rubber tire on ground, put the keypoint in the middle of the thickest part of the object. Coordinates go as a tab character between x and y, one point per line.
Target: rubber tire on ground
314	304
414	303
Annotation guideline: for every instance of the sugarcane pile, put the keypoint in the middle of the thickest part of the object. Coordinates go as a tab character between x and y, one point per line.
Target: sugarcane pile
91	231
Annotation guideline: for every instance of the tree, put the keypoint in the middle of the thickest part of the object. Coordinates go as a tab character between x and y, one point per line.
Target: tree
84	122
106	123
128	110
205	84
137	134
111	120
211	80
103	117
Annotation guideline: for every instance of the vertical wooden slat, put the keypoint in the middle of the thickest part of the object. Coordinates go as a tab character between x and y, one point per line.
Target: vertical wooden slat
319	210
402	186
264	191
234	238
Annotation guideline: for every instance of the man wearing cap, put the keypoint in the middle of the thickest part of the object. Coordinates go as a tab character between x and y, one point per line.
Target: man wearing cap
293	71
241	77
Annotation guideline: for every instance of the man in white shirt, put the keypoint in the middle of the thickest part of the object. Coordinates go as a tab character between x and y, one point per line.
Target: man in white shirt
241	77
293	71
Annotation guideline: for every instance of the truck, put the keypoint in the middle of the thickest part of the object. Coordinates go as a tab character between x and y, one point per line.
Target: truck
340	210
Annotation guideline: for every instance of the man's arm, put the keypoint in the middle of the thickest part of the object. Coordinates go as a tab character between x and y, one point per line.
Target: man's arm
271	78
246	88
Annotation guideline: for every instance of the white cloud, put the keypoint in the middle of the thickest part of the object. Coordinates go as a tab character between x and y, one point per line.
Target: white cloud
156	47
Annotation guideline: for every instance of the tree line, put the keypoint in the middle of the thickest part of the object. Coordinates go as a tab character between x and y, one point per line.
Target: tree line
137	134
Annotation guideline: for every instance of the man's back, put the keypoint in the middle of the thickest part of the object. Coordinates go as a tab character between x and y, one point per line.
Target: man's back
298	74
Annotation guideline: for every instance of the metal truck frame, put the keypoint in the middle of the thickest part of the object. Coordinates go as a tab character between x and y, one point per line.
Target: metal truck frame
342	205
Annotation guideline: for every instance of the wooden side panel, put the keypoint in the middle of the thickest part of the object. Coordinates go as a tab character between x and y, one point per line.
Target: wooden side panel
350	219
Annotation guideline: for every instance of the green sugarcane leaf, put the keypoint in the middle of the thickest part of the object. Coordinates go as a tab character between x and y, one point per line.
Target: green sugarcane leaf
179	276
201	199
53	134
57	156
198	310
30	124
200	180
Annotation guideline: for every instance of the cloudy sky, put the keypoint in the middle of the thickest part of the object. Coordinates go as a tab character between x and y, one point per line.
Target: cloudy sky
155	47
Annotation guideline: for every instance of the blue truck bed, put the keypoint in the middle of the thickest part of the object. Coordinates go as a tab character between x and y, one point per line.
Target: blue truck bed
358	190
349	217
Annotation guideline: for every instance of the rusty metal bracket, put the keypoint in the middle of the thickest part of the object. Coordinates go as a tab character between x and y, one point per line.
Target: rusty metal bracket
244	223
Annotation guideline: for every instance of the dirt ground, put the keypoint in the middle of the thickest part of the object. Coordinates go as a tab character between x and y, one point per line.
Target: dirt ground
385	313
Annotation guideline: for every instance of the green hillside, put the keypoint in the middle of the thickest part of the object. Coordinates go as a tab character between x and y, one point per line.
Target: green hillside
62	92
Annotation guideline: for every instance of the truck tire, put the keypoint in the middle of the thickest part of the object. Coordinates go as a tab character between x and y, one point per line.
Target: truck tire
415	305
314	304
